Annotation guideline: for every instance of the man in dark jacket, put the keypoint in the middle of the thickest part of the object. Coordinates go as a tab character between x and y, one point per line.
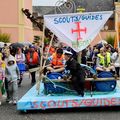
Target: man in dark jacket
77	73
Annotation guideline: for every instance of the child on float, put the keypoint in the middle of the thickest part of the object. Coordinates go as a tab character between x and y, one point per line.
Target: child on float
12	74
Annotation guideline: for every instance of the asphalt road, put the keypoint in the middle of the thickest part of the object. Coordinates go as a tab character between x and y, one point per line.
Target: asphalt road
9	112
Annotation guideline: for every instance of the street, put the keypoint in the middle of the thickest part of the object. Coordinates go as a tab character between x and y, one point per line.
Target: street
9	112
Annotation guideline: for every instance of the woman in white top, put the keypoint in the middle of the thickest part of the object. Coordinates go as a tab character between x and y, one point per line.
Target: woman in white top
116	60
20	59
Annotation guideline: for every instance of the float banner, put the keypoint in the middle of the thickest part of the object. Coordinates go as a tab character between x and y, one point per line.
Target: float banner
77	30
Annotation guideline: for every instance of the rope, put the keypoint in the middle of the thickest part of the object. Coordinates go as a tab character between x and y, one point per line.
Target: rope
58	85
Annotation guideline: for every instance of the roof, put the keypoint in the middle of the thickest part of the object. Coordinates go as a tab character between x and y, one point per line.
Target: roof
43	10
89	5
95	5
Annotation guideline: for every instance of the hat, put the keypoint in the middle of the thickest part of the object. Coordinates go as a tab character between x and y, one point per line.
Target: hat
11	58
68	52
31	46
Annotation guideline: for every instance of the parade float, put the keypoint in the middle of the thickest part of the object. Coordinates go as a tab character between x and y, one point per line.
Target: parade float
77	30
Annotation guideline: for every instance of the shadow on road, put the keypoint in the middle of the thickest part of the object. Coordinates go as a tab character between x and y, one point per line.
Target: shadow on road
74	110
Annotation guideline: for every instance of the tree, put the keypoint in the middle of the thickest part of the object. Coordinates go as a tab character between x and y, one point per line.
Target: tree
110	39
4	37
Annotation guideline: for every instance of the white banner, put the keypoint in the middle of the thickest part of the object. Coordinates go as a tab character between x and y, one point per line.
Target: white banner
77	30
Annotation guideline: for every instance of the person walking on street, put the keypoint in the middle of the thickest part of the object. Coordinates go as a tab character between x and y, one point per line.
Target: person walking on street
2	78
12	74
7	56
20	59
32	59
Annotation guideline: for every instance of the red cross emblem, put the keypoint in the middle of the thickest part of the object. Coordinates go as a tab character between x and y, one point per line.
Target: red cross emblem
79	30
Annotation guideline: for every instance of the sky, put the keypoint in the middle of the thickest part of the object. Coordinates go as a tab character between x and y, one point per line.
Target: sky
45	2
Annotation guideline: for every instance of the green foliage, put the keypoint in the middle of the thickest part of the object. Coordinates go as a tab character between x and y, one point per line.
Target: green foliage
110	39
4	37
46	41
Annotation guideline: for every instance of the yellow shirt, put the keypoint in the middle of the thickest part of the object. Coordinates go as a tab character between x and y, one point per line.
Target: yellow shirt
1	56
3	65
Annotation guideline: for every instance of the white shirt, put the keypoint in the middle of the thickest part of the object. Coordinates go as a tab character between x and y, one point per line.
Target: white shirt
115	59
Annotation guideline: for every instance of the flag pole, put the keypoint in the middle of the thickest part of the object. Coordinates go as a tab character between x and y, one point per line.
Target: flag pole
41	62
100	36
116	27
48	50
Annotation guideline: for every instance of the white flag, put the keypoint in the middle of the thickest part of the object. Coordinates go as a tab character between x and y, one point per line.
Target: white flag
77	30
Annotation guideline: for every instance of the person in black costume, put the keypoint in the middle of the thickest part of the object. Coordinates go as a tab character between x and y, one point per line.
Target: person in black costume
77	73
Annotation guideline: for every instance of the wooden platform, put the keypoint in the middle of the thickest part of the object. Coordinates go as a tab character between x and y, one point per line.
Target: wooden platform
32	101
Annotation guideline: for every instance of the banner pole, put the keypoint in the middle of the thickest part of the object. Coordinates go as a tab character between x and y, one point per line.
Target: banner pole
48	50
41	62
116	28
100	36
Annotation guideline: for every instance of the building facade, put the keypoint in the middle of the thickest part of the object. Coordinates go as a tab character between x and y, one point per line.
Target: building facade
14	22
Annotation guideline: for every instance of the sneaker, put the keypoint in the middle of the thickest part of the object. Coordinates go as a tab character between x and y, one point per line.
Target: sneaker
10	102
81	94
7	99
19	85
116	76
4	97
14	102
33	83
